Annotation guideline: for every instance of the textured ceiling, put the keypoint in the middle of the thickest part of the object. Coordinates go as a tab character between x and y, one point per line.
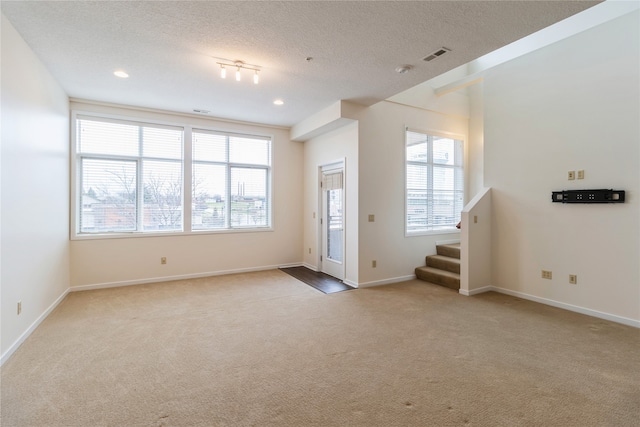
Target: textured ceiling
168	48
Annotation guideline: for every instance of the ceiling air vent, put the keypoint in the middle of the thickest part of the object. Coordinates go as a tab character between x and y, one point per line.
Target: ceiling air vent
436	54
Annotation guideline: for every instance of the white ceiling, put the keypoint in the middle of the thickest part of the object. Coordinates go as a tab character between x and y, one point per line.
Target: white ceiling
168	48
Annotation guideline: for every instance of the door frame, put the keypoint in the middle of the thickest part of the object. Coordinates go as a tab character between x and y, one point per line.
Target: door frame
336	165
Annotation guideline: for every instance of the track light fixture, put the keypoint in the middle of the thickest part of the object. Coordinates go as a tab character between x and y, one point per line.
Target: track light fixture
240	65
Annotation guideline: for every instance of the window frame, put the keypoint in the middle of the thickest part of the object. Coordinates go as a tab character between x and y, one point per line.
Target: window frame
456	137
229	167
187	177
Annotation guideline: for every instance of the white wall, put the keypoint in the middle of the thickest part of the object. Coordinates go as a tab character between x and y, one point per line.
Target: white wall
474	167
35	190
135	260
572	105
381	190
475	244
339	144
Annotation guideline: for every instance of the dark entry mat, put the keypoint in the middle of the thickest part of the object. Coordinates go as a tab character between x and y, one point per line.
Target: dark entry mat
320	281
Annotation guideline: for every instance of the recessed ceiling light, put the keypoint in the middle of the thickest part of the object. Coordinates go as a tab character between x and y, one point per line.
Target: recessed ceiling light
121	74
278	102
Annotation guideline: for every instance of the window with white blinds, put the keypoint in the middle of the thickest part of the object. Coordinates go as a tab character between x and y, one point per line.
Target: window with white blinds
130	177
434	182
332	181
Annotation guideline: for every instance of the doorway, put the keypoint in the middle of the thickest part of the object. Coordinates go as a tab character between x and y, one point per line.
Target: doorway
332	220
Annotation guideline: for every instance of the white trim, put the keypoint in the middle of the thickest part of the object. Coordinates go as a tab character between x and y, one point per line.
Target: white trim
469	80
476	291
430	232
385	281
427	230
447	242
174	113
7	354
558	304
309	266
321	258
351	283
178	277
138	234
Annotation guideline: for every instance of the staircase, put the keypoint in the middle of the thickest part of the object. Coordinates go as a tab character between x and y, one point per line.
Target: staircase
444	268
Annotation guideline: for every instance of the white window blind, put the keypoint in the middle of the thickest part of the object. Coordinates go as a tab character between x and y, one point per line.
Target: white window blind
332	181
231	181
129	176
434	182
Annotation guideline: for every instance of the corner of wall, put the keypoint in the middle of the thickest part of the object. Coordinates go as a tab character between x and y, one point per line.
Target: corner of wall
475	243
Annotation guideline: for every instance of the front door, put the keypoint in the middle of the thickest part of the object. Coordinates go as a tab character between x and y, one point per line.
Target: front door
332	220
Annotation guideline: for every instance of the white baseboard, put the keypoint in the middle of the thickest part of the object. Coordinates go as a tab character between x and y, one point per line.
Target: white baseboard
476	291
309	266
294	264
178	277
7	354
385	281
558	304
350	283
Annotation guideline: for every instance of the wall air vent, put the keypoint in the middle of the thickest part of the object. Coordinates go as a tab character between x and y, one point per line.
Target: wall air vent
436	54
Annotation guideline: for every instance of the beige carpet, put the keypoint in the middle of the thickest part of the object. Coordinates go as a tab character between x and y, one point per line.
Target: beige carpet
262	349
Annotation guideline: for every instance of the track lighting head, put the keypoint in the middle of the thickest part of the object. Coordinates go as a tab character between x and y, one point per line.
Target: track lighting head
240	65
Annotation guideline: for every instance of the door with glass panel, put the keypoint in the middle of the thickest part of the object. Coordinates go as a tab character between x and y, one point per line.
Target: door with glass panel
332	221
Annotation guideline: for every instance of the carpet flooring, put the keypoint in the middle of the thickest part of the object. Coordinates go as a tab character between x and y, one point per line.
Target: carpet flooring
259	349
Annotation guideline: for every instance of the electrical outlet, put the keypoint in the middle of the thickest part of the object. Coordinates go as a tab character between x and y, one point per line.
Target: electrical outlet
546	274
163	260
580	174
573	279
19	307
374	264
571	175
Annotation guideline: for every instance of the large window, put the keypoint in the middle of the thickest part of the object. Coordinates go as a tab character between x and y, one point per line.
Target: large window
230	181
131	177
434	182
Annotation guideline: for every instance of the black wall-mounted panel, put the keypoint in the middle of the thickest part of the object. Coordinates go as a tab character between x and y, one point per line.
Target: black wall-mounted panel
588	196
